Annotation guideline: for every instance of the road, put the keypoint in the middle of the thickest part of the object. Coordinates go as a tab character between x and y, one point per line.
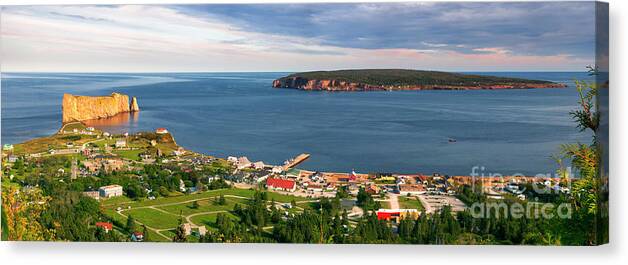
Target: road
394	200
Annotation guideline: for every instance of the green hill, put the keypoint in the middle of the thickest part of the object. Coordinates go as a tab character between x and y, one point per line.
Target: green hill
400	77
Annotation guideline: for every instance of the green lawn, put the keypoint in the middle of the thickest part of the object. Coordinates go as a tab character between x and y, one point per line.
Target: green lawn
129	154
209	220
154	218
203	206
411	202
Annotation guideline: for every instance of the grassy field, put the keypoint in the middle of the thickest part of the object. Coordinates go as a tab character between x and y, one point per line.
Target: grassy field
129	154
203	206
209	220
164	213
154	218
411	202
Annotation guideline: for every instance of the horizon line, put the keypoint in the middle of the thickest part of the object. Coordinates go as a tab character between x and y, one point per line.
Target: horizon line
183	72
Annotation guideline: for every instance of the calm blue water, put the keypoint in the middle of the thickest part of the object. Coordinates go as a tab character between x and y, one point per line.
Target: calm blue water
507	131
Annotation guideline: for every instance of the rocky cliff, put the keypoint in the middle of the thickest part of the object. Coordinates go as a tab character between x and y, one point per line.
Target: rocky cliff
339	85
400	79
80	108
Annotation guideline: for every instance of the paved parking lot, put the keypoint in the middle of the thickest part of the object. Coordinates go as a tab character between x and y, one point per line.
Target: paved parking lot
433	203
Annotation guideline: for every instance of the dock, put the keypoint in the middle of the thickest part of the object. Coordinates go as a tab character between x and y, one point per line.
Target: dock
295	161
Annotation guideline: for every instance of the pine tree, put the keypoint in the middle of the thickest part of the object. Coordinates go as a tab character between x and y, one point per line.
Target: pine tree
130	224
145	232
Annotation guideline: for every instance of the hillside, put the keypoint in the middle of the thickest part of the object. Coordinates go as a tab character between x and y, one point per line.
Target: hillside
398	79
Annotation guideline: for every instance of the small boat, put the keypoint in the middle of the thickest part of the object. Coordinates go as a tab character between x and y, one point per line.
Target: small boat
451	140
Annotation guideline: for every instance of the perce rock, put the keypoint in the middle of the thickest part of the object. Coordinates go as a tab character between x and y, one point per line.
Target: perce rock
81	108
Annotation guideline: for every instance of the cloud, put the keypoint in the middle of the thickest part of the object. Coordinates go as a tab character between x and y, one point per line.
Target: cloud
292	37
498	50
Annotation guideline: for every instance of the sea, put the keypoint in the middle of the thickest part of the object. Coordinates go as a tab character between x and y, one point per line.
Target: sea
241	114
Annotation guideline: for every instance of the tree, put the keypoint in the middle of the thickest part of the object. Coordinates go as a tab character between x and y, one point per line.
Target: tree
145	232
179	234
130	224
195	205
22	215
222	200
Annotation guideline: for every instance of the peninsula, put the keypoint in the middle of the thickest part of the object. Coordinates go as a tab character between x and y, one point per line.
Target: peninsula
81	108
400	79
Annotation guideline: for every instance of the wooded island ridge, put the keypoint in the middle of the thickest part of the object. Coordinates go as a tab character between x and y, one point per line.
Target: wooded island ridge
400	79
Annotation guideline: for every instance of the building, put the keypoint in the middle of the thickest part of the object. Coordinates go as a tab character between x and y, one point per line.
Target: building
372	189
281	184
110	191
187	229
105	226
397	214
202	230
12	159
120	143
161	131
7	147
137	237
113	165
243	162
259	165
92	194
91	166
314	188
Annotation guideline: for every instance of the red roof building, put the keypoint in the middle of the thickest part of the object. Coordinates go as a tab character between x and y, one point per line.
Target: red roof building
104	225
281	184
161	131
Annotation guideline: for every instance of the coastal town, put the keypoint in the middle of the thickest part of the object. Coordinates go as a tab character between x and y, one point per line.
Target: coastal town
91	153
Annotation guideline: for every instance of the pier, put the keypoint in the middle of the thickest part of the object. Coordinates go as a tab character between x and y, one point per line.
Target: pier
295	161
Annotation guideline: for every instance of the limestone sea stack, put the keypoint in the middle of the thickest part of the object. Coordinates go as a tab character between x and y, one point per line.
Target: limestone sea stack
134	106
81	108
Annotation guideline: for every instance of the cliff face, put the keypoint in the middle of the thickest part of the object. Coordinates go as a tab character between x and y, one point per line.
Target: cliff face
338	85
80	108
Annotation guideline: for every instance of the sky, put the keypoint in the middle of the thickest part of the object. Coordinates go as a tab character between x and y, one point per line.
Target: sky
448	36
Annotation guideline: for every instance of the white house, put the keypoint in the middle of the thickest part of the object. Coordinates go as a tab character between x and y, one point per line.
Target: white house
120	143
110	191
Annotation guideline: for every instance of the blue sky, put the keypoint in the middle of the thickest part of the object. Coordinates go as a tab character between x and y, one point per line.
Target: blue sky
483	36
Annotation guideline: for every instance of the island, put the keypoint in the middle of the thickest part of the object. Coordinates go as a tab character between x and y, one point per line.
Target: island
81	108
400	79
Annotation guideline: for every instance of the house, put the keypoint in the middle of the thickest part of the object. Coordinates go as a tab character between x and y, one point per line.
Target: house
281	184
372	189
113	165
90	129
137	237
187	229
110	191
314	188
120	143
259	165
92	194
106	134
180	151
69	144
91	166
232	159
202	230
411	189
277	169
7	147
12	159
105	226
243	162
161	131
